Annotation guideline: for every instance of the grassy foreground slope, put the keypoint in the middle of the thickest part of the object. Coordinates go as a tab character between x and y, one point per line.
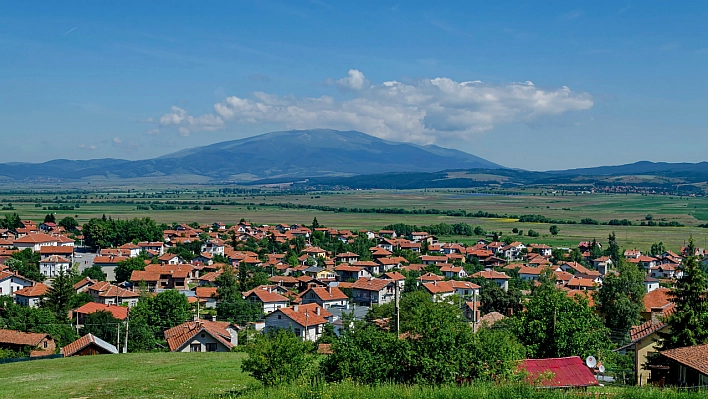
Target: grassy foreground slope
143	375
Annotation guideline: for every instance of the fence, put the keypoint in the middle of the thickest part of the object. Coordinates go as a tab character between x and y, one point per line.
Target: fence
26	359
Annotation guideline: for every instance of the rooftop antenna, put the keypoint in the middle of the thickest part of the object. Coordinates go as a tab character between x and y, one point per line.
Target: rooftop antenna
591	362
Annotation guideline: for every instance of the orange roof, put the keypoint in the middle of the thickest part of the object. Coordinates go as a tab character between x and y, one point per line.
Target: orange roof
645	329
179	335
659	298
328	293
395	276
438	287
266	296
304	316
85	341
21	338
34	291
144	275
490	275
695	357
119	312
36	239
371	284
206	292
56	250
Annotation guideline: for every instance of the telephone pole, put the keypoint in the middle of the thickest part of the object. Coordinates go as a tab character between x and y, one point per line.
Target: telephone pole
398	308
127	323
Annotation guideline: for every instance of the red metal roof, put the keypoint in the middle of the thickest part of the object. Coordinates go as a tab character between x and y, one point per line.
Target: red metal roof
567	372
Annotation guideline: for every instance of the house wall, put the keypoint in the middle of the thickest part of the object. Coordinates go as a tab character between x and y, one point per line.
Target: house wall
27	301
12	284
202	339
273	323
273	306
51	270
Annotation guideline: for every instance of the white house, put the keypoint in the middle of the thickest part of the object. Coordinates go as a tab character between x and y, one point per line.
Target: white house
52	265
451	271
31	296
651	284
11	282
306	321
325	297
271	301
202	336
35	241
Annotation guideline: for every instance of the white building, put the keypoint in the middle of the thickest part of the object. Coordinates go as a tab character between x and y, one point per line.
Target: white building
52	265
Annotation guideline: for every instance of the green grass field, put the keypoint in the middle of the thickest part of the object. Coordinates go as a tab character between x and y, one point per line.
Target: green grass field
143	375
602	207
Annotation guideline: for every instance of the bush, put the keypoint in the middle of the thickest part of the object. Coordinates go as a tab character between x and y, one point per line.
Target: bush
533	233
277	357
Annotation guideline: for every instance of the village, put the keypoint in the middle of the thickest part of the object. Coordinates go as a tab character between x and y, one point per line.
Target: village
236	280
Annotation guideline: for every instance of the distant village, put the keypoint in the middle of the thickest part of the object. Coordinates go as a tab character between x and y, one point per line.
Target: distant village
312	280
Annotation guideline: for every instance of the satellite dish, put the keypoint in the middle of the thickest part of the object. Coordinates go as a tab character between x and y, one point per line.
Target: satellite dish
591	362
601	368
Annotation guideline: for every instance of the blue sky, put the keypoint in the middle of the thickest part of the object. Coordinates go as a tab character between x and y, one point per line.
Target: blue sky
535	85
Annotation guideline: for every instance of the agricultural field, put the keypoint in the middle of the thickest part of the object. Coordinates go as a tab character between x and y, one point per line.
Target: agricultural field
142	375
263	207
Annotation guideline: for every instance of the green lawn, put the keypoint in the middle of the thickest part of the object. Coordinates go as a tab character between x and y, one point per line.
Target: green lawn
142	375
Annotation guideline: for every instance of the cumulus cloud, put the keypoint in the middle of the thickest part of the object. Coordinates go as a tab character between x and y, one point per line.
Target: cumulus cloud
422	111
355	80
186	123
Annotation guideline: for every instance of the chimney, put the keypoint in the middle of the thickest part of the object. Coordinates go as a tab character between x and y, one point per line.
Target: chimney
329	289
656	315
295	308
213	318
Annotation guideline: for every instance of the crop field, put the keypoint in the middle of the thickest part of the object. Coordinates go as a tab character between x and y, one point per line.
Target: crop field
264	207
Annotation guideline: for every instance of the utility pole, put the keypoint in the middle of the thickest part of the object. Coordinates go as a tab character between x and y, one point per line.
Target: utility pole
127	323
398	308
118	338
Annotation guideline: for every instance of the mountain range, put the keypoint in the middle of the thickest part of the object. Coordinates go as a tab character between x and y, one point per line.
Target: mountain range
290	154
339	158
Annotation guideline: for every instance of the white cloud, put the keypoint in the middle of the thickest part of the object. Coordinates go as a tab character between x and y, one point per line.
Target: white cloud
422	111
87	147
153	132
117	140
186	123
354	81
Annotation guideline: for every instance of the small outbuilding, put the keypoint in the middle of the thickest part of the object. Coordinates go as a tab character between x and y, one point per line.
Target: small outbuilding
563	372
88	345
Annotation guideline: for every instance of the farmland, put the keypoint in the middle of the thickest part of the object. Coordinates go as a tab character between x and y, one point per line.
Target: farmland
208	204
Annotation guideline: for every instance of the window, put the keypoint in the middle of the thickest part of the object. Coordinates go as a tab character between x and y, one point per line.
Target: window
278	317
211	347
297	332
45	344
195	347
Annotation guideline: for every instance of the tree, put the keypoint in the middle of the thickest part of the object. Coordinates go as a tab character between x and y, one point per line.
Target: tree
68	223
556	325
26	263
533	233
495	299
39	320
315	223
231	305
613	249
162	311
554	230
103	325
94	272
60	296
125	268
657	248
49	218
621	300
479	231
11	222
276	357
689	321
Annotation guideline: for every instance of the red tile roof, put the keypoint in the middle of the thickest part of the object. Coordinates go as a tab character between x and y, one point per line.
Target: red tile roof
567	372
179	335
119	312
695	357
659	298
266	296
304	316
34	291
329	293
85	341
21	338
371	284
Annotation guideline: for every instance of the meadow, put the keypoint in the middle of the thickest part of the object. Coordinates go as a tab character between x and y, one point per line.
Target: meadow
262	208
125	376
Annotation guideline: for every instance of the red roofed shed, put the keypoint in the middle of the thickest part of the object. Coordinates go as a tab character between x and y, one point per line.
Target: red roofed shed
568	372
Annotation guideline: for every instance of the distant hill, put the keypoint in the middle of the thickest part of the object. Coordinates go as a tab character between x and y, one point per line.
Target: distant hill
290	154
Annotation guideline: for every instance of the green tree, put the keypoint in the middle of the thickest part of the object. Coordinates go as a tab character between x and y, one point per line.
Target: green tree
621	300
231	305
125	268
554	230
276	357
94	272
493	298
11	222
39	320
49	218
61	295
162	311
533	233
315	223
556	325
26	263
69	223
689	321
103	325
613	249
657	248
